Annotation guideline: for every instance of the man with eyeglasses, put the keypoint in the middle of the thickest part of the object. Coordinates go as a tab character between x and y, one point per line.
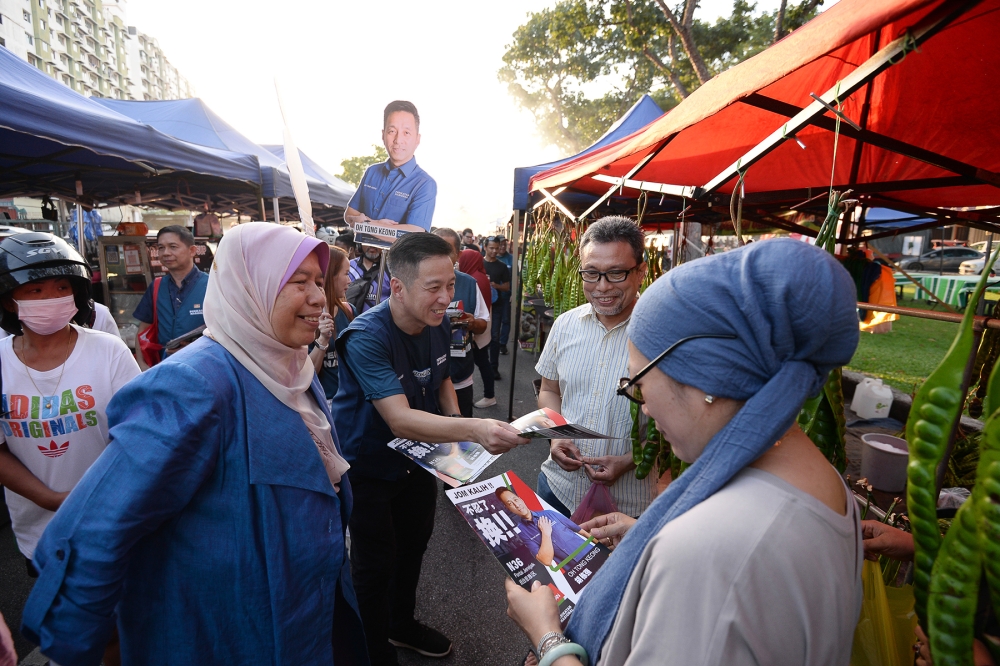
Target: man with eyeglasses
584	357
499	280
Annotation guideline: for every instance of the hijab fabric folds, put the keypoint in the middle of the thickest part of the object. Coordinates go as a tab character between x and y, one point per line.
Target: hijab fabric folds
251	266
470	262
792	308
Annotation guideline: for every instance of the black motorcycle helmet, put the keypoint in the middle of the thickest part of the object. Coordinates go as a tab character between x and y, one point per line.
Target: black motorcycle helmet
34	255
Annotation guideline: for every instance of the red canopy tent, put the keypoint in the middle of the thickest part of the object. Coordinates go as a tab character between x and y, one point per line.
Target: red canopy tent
918	77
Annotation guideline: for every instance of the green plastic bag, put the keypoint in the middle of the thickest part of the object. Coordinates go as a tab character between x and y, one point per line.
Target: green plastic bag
884	634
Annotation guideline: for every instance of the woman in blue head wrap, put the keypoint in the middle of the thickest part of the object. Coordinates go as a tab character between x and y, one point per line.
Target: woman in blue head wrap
753	555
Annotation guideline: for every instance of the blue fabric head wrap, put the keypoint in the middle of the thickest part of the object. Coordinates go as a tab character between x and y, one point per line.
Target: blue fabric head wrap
792	308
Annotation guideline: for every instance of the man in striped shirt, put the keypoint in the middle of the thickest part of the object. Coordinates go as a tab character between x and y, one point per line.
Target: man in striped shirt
584	357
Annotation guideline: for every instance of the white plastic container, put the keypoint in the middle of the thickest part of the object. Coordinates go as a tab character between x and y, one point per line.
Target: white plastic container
872	399
883	461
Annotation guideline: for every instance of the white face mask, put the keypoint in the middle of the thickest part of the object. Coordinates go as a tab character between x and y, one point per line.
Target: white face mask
48	315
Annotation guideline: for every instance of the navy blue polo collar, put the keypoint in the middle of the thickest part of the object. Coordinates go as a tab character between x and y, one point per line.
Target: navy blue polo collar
408	168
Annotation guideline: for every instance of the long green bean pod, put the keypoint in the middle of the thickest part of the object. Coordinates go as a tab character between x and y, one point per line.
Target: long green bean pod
951	604
826	427
935	410
986	492
636	439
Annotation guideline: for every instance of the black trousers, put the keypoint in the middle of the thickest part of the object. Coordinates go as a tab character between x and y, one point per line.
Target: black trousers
465	400
482	357
390	526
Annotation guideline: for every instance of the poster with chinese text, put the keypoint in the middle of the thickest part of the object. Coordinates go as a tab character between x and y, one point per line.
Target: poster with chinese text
454	463
530	539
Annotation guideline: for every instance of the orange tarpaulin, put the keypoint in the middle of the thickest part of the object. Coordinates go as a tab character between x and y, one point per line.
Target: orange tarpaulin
930	132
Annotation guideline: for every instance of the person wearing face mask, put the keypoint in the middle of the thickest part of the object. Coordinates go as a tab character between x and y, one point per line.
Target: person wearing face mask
57	376
213	527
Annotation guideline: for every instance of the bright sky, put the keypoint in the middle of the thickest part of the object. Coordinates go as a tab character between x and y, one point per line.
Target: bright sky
339	64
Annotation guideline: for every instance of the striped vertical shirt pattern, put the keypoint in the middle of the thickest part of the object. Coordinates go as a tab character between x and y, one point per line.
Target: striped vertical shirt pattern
587	360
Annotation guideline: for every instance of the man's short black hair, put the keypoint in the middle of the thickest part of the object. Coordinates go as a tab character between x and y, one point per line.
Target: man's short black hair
468	231
451	236
346	239
400	105
182	232
408	252
616	229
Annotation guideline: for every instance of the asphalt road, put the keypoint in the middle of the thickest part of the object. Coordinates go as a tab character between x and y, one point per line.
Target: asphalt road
461	586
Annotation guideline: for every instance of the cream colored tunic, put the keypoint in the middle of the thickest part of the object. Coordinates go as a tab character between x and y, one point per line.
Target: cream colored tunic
759	573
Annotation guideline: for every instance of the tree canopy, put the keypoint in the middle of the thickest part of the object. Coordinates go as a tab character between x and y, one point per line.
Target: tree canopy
579	65
354	167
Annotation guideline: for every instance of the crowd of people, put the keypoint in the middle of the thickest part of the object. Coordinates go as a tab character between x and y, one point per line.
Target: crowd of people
237	503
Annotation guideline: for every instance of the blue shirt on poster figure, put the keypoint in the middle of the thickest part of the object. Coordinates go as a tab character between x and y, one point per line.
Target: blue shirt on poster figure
205	541
179	310
404	194
397	189
565	538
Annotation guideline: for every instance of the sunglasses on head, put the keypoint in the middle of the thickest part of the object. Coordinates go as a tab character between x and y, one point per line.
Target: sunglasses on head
627	387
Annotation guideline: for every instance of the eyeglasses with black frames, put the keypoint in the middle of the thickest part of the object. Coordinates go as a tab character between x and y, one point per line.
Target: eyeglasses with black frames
612	276
627	387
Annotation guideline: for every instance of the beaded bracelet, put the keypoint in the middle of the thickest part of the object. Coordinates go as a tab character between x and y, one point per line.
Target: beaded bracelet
562	650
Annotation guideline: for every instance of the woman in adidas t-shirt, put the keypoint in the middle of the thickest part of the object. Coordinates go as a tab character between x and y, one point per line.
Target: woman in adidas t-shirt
57	380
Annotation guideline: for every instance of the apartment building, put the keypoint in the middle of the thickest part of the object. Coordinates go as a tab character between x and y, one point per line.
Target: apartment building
88	46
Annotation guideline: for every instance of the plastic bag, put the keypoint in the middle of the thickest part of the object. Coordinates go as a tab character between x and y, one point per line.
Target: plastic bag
884	634
952	498
596	502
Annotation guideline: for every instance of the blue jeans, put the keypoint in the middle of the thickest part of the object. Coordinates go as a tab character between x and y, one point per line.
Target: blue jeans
545	492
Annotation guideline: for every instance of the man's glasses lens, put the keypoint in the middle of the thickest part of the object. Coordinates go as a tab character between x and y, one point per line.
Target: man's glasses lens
610	276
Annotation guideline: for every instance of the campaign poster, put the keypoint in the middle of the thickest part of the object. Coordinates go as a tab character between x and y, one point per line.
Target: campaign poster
531	540
546	423
382	235
455	463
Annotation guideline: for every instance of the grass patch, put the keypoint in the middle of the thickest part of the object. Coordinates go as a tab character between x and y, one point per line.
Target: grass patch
906	356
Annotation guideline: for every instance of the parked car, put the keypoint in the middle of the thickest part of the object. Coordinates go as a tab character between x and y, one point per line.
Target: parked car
947	259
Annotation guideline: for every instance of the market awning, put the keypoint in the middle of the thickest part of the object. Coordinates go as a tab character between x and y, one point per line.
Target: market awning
51	137
641	114
916	76
314	170
193	121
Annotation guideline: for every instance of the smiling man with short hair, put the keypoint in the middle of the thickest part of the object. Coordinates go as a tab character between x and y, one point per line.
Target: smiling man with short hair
396	191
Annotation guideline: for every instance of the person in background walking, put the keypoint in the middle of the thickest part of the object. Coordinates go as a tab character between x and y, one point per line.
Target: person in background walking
469	241
508	259
336	317
499	280
466	331
471	263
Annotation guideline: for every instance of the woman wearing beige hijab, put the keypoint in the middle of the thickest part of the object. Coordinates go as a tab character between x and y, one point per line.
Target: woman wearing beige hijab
212	528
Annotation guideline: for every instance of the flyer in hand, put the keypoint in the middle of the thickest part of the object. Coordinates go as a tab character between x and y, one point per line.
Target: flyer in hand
530	539
548	424
380	234
454	463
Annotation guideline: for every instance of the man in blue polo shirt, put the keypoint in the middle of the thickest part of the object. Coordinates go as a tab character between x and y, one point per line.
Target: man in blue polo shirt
395	382
181	295
397	191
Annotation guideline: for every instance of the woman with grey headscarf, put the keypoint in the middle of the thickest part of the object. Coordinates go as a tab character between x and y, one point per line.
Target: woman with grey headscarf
753	555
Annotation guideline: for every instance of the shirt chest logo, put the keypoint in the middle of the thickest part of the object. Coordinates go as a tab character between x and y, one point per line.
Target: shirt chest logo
54	450
442	359
402	195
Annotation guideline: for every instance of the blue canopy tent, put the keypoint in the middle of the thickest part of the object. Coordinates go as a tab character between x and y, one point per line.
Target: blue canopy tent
56	142
641	114
313	170
193	121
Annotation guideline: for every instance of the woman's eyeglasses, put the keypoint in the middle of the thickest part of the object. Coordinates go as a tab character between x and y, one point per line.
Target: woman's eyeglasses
627	387
612	276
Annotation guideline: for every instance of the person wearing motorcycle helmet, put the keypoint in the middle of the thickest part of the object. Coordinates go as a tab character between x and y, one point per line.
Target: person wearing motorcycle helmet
57	379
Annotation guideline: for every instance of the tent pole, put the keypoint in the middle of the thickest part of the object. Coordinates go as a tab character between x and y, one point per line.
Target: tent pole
515	322
80	242
274	205
263	209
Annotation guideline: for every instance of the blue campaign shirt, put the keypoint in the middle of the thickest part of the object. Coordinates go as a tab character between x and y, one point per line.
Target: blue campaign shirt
144	311
507	259
404	194
565	537
357	271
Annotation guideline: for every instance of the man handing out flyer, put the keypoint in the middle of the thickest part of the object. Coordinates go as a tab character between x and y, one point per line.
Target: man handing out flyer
396	191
